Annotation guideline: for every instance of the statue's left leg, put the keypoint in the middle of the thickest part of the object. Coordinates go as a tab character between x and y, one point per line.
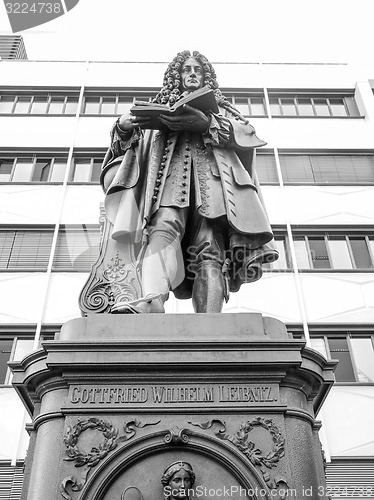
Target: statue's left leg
206	263
208	291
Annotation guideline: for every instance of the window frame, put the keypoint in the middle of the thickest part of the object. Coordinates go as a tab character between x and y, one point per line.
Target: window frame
91	230
21	251
327	233
38	258
131	94
262	152
92	156
327	95
17	332
331	331
287	170
53	157
47	93
248	94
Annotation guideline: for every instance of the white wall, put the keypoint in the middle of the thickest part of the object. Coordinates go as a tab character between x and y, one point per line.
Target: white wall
36	131
323	205
22	296
348	420
13	436
122	74
29	204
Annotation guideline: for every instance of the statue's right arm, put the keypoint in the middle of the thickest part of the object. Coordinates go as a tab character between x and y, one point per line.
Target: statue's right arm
123	134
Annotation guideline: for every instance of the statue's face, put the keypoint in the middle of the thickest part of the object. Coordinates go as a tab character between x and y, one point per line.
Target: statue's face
179	484
192	75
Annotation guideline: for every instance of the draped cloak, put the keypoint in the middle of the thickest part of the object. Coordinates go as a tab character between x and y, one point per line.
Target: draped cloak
154	168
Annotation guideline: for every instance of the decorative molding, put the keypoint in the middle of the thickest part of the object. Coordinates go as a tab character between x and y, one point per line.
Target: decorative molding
209	424
176	436
97	453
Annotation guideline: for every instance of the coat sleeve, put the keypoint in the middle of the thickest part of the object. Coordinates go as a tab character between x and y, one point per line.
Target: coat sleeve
121	143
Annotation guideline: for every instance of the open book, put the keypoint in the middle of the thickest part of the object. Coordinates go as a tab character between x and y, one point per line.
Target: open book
202	99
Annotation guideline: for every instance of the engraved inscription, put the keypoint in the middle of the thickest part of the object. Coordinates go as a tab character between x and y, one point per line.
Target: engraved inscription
247	394
103	395
182	394
173	395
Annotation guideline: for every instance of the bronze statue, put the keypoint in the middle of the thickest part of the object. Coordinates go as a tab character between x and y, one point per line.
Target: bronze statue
187	192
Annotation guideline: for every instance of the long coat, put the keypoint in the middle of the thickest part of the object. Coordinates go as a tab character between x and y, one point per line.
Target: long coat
156	168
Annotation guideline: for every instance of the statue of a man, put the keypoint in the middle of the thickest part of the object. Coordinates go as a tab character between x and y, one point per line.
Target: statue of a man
191	190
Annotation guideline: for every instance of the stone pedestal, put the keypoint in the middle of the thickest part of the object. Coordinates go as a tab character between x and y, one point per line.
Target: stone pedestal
116	398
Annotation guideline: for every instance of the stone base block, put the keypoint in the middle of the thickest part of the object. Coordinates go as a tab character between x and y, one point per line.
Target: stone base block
115	399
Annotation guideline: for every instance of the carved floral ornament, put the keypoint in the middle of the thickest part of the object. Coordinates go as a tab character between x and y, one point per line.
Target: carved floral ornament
116	282
241	440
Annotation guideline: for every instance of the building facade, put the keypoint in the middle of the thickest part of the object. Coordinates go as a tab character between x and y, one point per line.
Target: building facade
12	47
317	176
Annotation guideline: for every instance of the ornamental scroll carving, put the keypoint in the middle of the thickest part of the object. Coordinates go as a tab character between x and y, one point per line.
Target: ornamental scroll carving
114	277
88	460
242	440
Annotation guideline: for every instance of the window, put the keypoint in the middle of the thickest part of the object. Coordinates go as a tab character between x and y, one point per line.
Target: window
335	251
331	169
110	104
5	352
6	104
123	105
249	105
355	352
6	168
266	168
22	104
325	251
24	250
86	169
27	250
280	246
91	106
39	106
13	349
313	106
54	103
77	249
32	169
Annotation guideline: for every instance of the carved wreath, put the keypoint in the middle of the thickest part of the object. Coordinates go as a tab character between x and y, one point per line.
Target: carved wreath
111	439
242	441
90	459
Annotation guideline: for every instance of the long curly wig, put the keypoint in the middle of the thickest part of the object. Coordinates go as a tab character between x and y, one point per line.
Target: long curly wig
171	92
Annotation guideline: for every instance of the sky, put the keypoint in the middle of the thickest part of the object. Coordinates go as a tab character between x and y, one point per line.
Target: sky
231	31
